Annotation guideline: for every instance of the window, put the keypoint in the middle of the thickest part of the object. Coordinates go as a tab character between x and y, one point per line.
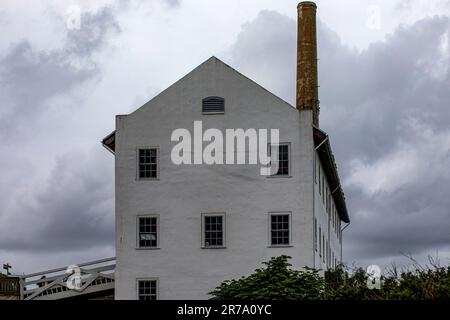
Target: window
323	249
213	105
331	214
282	160
315	234
320	182
336	217
213	230
147	289
339	230
148	163
323	189
148	232
280	229
315	168
320	241
337	220
329	202
328	253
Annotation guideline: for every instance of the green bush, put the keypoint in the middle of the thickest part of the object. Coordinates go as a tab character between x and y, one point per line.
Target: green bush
277	281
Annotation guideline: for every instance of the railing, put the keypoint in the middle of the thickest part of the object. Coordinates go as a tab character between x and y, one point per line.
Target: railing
9	286
52	284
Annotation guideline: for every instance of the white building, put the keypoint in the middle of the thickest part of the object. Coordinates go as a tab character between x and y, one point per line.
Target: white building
183	229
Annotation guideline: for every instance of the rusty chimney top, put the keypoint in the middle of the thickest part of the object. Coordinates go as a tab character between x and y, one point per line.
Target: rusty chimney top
307	86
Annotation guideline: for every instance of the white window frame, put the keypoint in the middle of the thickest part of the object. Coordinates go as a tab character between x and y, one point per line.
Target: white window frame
157	163
224	229
288	144
147	279
269	229
158	244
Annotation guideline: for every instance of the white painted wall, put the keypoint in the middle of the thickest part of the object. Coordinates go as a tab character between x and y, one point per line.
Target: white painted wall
185	270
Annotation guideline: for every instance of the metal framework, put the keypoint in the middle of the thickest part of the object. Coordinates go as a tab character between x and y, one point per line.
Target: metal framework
96	276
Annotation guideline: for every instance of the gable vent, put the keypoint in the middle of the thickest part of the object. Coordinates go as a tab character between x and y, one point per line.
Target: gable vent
213	105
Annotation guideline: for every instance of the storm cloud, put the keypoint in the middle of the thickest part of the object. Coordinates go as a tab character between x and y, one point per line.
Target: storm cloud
386	110
29	77
385	107
71	206
72	209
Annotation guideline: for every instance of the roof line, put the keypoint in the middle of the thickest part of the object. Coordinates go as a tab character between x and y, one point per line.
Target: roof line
338	192
227	65
253	81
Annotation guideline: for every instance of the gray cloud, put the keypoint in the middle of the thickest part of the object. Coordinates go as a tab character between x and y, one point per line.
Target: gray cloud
69	211
93	33
386	111
266	49
29	78
72	210
173	3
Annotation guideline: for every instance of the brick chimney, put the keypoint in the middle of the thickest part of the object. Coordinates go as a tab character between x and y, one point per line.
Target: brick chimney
307	87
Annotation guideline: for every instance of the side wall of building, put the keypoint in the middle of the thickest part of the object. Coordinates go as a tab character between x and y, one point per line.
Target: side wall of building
327	238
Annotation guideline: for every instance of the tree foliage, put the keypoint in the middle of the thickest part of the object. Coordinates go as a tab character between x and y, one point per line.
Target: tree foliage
275	282
278	281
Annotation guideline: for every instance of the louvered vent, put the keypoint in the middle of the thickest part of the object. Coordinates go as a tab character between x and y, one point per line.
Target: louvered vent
213	105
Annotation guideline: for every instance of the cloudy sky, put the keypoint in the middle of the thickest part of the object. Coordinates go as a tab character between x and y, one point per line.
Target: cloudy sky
384	74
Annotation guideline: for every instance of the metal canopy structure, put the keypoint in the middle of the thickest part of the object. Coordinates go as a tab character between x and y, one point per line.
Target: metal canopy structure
97	279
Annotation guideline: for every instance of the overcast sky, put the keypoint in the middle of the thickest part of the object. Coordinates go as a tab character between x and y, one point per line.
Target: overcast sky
384	74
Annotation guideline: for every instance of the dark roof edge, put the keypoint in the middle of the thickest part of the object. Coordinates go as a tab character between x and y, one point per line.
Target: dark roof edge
322	143
109	142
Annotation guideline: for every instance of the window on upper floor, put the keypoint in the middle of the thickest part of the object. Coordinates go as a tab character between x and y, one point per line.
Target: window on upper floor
339	230
315	234
148	231
147	289
320	241
148	159
315	169
280	230
323	249
334	217
213	225
331	215
323	189
213	105
320	182
280	160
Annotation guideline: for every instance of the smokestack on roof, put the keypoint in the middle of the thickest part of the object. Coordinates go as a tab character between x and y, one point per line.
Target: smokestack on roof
307	87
